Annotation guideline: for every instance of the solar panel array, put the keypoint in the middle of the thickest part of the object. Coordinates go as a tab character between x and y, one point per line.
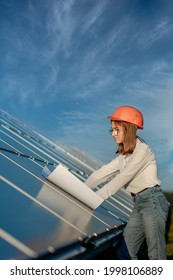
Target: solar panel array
40	220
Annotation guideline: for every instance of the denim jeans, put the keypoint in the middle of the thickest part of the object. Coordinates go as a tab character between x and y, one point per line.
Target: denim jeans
148	221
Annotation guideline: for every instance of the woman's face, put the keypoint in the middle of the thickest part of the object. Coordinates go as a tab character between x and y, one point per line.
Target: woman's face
118	132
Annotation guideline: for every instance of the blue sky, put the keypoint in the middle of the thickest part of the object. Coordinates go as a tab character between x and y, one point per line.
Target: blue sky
67	64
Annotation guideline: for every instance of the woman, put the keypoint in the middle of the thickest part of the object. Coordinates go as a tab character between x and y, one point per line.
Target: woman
137	172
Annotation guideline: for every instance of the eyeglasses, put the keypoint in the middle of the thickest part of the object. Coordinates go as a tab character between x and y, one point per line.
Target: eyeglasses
115	131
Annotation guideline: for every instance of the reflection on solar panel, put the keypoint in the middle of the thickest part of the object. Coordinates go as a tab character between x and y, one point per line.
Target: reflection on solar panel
40	220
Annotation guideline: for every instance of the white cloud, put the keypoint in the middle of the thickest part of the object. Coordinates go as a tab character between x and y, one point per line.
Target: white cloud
94	16
60	25
157	30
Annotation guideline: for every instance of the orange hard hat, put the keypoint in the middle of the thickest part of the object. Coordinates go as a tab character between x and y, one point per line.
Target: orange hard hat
128	114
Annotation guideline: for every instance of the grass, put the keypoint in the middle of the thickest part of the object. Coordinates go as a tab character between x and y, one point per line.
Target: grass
169	246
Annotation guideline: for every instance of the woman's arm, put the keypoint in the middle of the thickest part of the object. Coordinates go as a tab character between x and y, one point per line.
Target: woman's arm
102	174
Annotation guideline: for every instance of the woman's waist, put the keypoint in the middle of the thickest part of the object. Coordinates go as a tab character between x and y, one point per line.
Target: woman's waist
156	187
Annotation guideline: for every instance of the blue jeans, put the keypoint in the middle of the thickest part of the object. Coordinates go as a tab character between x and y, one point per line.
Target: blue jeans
148	221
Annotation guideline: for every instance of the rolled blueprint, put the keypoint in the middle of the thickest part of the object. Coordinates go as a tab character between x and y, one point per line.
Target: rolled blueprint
64	179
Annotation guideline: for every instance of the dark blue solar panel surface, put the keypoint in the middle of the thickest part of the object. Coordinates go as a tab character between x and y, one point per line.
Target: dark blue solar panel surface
36	216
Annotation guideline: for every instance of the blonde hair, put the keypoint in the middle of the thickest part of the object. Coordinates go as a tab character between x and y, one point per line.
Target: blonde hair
129	144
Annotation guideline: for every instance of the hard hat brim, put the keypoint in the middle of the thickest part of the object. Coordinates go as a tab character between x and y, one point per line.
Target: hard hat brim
113	118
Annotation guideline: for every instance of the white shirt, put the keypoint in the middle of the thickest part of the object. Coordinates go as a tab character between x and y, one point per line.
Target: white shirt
135	172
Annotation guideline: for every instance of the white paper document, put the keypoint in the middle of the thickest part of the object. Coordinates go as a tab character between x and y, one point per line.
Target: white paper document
64	179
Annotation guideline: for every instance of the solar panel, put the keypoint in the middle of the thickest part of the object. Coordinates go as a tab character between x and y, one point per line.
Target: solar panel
37	218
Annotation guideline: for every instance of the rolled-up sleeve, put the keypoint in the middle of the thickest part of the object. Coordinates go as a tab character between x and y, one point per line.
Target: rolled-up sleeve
102	174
